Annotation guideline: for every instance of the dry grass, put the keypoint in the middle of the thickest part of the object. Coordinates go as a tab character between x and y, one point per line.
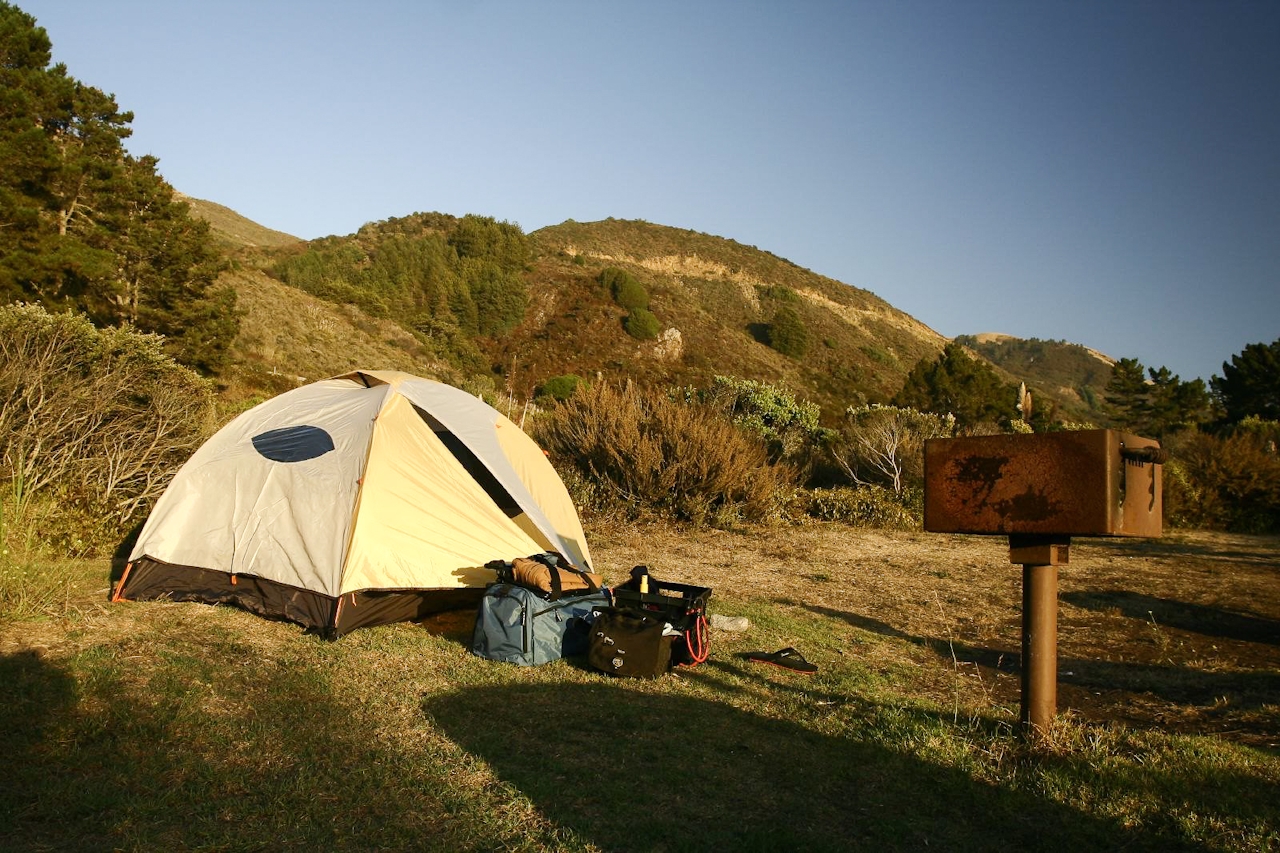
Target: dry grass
1180	634
288	338
144	726
652	451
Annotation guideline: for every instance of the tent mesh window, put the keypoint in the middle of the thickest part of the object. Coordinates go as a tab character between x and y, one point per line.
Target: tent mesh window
469	461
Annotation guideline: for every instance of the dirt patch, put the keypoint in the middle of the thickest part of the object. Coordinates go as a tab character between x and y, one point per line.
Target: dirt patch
1180	633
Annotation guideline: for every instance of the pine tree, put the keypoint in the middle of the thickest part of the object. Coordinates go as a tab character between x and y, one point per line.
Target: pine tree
954	383
1250	383
1174	405
1126	391
84	225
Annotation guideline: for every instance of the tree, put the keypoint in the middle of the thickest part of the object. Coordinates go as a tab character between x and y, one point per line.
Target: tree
1154	401
1250	383
59	146
1127	393
954	383
1174	405
84	225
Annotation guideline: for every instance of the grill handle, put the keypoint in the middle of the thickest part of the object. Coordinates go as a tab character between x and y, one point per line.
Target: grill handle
1158	455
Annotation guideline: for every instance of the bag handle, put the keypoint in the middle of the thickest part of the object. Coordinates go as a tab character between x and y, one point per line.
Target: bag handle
557	589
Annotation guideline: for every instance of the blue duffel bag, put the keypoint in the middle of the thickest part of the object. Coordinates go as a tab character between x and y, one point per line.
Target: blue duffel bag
518	625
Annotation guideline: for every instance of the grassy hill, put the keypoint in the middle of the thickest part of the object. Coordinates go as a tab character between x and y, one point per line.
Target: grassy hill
714	299
288	338
1073	375
712	296
234	230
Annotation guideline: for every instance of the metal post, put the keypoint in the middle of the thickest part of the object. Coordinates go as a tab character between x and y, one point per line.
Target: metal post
1040	557
1039	646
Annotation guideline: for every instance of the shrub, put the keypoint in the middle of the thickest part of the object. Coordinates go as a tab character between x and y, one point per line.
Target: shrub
867	506
787	333
778	293
94	420
650	451
559	387
884	445
641	324
1266	431
625	289
1223	483
788	427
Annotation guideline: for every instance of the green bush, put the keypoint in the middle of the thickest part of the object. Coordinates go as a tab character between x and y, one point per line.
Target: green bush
651	452
559	387
778	293
1223	483
641	324
787	333
788	427
625	289
867	506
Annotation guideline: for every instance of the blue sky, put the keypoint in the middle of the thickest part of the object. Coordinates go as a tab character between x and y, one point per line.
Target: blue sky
1102	172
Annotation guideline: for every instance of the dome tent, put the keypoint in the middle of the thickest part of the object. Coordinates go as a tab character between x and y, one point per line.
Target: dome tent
368	498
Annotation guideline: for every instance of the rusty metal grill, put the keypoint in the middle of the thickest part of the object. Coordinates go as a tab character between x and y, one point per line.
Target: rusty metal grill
1083	483
1040	490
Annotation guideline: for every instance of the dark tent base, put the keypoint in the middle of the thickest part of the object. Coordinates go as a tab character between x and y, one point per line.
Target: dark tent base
151	580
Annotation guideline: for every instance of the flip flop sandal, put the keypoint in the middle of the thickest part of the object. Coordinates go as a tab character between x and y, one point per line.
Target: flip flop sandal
787	658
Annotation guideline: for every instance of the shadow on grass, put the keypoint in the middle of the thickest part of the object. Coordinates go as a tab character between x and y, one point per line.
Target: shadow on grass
198	744
634	769
1173	684
1209	621
1006	661
1242	548
99	757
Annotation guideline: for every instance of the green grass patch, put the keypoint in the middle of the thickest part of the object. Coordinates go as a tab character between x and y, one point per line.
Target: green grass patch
146	726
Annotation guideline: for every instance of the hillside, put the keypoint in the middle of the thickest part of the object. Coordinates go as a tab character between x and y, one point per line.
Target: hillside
712	296
288	337
1073	375
234	230
714	299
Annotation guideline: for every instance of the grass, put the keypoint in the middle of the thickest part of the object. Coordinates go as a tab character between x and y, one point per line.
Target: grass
146	726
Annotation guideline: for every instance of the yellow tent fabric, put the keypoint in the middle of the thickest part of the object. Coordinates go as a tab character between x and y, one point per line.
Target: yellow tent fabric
370	483
422	521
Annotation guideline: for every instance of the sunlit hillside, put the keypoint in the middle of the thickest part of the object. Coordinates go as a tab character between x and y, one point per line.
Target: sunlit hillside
714	300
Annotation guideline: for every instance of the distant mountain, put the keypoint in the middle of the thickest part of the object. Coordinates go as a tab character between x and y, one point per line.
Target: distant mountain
1074	376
